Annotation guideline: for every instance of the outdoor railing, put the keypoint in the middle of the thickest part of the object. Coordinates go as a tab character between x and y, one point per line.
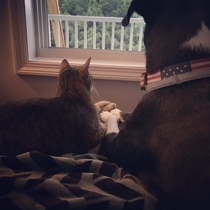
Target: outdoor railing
90	32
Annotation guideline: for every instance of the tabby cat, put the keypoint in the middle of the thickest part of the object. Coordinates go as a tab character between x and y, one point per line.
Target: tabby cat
67	123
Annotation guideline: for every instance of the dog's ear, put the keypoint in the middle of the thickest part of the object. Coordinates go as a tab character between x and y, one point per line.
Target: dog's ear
148	9
126	19
135	6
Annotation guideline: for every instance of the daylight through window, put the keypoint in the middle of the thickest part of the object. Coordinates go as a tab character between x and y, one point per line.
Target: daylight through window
47	31
93	24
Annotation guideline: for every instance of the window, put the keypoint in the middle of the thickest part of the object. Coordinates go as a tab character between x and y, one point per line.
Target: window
35	54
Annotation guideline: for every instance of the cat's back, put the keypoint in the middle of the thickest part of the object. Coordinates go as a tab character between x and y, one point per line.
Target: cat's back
38	108
53	125
67	123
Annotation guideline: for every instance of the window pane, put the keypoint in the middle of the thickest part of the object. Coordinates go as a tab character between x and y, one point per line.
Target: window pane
34	56
93	24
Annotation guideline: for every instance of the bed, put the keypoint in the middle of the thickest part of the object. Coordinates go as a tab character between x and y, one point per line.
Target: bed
37	181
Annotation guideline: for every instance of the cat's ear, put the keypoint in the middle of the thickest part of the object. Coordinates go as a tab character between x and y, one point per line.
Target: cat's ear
85	67
65	64
87	64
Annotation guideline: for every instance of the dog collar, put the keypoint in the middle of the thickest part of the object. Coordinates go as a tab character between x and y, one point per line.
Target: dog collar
176	74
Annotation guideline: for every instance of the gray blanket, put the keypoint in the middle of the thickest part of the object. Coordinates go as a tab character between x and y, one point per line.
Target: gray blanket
36	181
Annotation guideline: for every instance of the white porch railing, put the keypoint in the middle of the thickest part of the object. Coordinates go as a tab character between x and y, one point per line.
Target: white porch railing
120	38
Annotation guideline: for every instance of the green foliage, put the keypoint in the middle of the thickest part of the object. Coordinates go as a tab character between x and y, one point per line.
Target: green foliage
104	8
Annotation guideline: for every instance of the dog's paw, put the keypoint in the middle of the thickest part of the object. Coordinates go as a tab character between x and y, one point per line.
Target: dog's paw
105	116
104	106
118	114
109	107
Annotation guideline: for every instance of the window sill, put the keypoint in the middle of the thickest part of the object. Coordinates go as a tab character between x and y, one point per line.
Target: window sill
124	71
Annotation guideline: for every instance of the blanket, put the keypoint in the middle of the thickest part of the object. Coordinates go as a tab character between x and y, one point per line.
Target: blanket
37	181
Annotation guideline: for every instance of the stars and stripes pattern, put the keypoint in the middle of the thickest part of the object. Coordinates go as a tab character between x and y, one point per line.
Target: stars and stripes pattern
195	65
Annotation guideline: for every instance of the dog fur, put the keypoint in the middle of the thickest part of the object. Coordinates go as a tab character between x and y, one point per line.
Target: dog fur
166	139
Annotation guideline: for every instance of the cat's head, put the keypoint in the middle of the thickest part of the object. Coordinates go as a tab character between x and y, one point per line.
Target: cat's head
72	80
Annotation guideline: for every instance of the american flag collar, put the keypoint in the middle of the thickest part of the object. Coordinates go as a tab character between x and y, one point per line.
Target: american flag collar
176	74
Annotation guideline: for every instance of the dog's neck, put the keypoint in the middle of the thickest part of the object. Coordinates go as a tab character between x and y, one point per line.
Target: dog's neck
171	40
201	41
193	52
176	74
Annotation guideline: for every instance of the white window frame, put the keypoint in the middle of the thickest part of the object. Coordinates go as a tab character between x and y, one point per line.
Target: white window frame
32	59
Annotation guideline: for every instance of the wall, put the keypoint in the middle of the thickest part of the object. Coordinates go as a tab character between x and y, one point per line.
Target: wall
12	86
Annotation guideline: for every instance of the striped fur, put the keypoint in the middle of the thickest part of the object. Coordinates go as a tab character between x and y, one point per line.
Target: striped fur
67	123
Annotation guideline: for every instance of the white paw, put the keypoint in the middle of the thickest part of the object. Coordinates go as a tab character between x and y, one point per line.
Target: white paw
110	120
104	106
102	103
105	116
109	107
117	113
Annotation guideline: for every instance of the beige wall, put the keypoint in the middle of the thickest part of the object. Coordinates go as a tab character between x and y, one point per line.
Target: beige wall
12	86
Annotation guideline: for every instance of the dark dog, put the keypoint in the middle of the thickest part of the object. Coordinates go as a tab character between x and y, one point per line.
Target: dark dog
167	137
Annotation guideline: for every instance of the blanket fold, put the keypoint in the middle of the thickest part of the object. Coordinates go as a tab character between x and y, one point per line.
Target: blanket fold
34	180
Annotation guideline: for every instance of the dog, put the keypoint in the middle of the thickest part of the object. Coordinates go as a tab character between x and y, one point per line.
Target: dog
165	141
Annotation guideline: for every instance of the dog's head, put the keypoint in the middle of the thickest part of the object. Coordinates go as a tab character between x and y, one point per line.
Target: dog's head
172	30
148	9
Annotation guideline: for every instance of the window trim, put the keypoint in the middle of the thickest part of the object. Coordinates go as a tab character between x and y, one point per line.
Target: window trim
110	65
